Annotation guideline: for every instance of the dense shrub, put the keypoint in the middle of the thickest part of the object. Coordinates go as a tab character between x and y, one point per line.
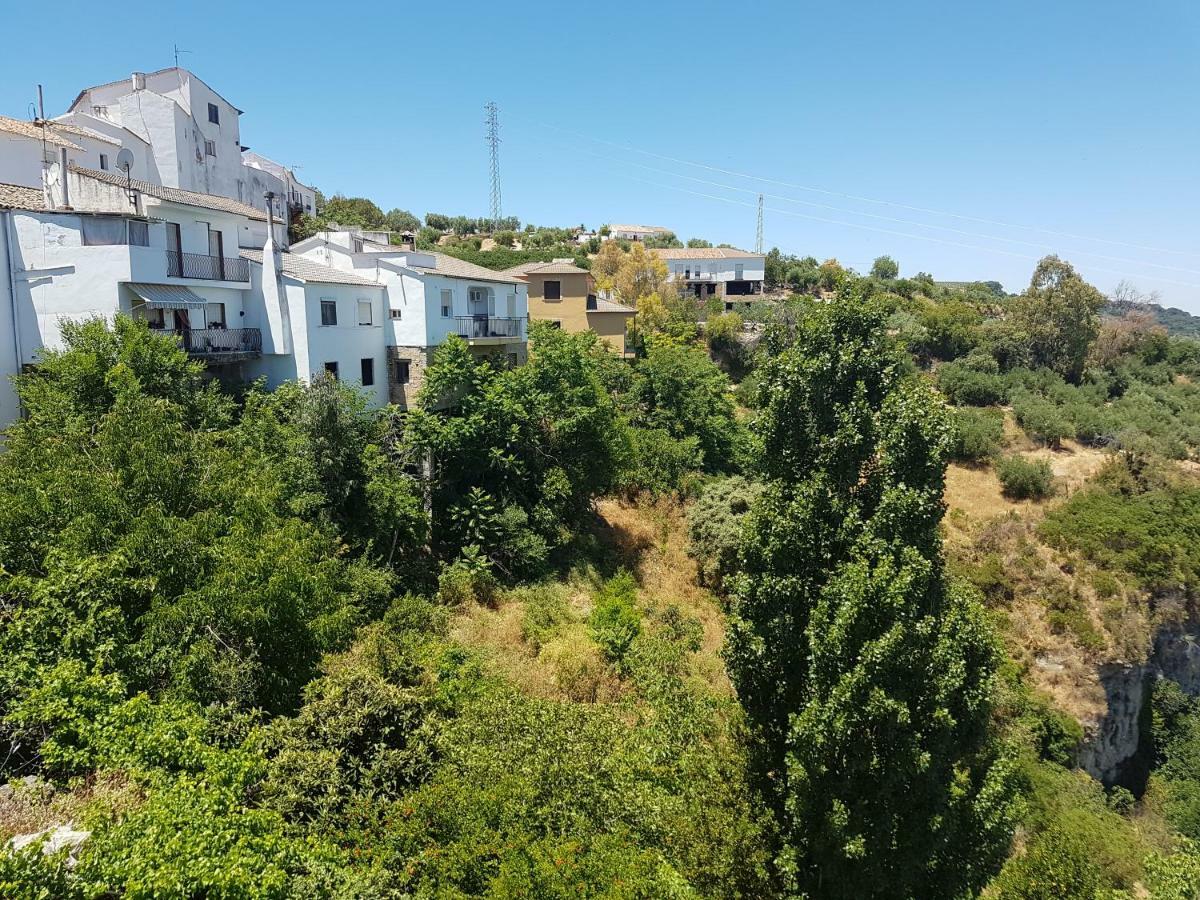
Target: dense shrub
1024	479
615	621
965	385
1043	420
715	527
978	433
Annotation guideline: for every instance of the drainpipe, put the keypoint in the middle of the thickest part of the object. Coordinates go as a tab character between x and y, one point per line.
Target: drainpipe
10	263
66	194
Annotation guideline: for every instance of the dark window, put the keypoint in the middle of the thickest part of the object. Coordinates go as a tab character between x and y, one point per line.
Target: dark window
210	148
401	371
332	369
328	312
552	290
103	162
214	115
368	372
139	233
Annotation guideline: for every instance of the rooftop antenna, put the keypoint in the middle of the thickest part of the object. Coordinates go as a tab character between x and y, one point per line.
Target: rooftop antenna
177	52
758	242
493	139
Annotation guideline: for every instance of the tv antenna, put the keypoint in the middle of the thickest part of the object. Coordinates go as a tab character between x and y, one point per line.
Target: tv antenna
493	139
177	52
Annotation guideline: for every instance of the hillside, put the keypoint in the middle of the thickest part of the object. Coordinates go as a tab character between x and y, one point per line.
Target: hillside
908	609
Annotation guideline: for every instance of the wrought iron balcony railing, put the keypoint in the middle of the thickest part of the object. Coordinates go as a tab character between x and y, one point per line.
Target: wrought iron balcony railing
487	326
218	341
213	268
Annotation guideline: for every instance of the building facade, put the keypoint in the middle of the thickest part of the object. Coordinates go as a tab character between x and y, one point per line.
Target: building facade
716	271
636	232
562	293
430	296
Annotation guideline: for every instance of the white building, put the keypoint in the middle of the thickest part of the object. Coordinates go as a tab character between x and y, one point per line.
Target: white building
636	232
429	297
300	198
716	271
28	149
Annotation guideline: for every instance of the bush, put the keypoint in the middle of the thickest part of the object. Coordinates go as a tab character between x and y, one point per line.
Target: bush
1042	419
615	621
468	579
715	527
978	433
662	464
966	386
1056	866
1024	479
545	610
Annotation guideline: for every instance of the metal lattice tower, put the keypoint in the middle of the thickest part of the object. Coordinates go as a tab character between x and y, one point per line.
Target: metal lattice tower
493	139
758	239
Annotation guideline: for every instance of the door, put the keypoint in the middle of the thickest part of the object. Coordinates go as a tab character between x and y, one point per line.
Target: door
216	249
174	246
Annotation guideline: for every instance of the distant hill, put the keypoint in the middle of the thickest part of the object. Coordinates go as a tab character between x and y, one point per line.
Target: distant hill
1176	321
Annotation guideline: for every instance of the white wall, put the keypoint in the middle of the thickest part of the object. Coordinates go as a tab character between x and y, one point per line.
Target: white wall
754	268
126	139
347	343
21	160
9	362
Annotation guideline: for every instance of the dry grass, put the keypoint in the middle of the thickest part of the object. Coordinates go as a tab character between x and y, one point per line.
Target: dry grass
648	539
38	806
654	538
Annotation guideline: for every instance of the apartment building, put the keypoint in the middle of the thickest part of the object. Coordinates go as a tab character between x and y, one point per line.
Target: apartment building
636	232
430	296
562	293
716	271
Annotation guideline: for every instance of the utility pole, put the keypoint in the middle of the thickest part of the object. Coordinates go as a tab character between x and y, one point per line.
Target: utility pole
758	242
493	139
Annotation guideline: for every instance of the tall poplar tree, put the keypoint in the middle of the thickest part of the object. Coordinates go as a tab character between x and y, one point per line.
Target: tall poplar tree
867	678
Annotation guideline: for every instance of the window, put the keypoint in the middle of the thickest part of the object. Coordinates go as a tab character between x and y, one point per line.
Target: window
400	371
101	111
331	368
155	318
364	312
328	312
101	231
368	372
214	315
555	323
210	148
447	303
139	233
512	306
552	290
214	114
103	162
395	313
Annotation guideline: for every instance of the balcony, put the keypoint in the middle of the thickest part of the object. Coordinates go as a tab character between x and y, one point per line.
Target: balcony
222	344
211	268
480	327
695	276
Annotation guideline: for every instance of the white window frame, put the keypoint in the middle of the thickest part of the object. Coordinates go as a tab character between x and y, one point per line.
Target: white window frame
370	310
447	303
396	313
210	148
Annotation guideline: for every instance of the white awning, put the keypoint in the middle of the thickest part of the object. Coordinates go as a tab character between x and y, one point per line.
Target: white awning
168	296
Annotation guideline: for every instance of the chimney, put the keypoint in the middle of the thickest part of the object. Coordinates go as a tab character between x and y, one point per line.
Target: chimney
139	81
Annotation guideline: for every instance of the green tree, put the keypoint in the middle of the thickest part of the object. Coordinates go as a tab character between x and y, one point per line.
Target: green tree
885	268
1058	317
352	212
401	220
866	677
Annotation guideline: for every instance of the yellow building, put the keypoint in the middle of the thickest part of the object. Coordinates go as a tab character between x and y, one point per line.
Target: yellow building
561	292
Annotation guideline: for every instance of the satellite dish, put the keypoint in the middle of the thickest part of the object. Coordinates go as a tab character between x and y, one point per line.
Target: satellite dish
125	160
54	173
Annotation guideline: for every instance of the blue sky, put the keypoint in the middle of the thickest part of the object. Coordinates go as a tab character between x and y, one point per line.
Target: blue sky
1076	121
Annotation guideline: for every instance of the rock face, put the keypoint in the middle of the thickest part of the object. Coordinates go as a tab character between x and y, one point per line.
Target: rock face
1111	745
1116	748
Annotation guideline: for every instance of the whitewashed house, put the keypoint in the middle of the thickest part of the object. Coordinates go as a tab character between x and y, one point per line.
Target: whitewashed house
429	297
636	232
29	149
716	271
299	197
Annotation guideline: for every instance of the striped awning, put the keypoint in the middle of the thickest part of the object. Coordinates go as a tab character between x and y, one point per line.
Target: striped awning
168	296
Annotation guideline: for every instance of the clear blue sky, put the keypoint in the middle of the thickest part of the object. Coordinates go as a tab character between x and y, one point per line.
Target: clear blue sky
1072	117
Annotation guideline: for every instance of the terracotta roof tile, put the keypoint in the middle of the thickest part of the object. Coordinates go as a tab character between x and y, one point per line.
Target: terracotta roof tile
176	195
18	196
306	270
34	132
705	253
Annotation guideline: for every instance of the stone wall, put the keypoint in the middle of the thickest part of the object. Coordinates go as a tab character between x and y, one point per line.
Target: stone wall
405	395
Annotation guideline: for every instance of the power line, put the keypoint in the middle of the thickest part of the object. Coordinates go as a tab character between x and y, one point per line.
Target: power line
493	139
864	199
893	219
919	237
